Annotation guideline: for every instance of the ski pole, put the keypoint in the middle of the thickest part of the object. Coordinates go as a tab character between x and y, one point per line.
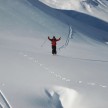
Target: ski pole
43	42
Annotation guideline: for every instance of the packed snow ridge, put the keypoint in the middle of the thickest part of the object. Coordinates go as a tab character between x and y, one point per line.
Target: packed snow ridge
63	97
75	4
91	7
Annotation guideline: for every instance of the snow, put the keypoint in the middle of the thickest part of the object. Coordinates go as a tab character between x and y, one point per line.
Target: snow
97	8
67	96
31	77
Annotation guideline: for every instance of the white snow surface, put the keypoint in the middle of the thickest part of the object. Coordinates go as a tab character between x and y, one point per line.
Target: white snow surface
31	77
97	8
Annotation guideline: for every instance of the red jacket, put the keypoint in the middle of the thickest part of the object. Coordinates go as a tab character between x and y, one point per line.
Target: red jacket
53	41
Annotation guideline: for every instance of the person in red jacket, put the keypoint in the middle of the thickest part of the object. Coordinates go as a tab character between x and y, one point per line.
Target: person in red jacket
54	43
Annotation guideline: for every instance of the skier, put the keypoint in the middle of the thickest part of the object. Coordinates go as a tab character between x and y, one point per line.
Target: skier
53	41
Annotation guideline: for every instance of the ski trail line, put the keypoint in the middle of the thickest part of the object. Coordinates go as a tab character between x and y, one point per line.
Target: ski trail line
5	100
56	75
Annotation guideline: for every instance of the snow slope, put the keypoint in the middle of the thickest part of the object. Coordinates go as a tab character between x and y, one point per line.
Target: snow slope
97	8
31	77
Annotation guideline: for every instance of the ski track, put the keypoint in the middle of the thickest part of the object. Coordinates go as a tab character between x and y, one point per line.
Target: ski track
4	102
35	60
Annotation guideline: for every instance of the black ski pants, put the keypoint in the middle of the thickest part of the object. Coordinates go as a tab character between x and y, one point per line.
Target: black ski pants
54	50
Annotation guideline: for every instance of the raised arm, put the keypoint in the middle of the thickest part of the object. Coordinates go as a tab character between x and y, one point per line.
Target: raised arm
49	38
58	39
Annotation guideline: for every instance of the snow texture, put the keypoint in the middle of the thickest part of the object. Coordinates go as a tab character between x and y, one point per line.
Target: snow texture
31	77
